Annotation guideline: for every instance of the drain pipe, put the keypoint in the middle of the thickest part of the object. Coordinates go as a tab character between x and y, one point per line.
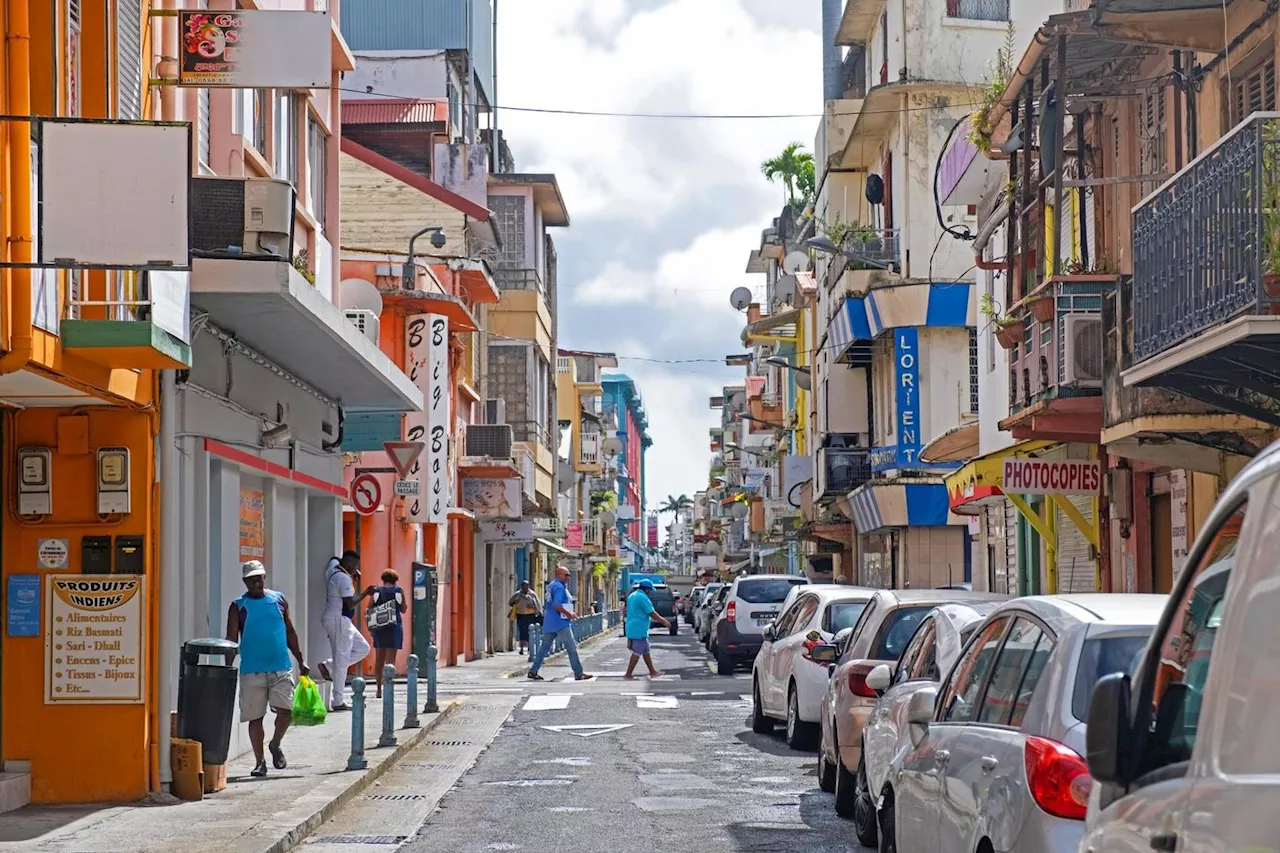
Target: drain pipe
832	67
18	44
983	236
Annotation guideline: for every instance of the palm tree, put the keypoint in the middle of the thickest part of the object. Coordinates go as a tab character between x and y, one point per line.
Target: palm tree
675	504
790	165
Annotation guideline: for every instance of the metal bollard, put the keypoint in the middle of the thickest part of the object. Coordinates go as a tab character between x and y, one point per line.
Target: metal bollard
357	761
411	714
535	639
432	654
388	737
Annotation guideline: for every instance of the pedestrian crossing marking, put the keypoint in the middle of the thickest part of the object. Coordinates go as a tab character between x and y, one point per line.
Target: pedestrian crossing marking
746	697
551	702
663	702
706	693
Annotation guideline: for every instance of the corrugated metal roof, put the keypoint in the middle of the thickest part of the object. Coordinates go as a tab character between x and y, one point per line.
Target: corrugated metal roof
393	111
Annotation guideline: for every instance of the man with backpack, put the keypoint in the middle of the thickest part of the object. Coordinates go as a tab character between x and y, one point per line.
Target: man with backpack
346	644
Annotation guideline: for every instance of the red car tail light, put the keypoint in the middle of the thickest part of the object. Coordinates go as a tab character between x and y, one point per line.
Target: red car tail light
1058	778
731	611
858	680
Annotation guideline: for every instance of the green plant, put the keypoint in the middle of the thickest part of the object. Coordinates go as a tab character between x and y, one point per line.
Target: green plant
989	308
794	167
1271	196
599	570
301	263
603	501
992	90
1101	266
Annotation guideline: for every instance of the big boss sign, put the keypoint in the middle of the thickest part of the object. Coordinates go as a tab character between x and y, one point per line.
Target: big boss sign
427	360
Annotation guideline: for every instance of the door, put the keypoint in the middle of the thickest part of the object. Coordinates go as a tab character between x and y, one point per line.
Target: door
880	737
764	663
788	646
919	797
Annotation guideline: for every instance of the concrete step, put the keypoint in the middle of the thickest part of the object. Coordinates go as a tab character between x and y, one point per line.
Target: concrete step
15	791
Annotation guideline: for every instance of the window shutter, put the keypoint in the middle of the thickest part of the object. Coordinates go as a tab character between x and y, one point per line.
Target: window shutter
129	59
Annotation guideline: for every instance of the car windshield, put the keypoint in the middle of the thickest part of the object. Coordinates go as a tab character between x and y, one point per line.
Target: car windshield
766	590
711	593
896	631
660	595
841	615
1101	657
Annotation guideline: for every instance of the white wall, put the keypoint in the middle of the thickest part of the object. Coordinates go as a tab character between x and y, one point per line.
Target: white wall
993	369
403	74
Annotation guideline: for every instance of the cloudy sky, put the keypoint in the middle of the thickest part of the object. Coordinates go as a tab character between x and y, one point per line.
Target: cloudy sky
664	211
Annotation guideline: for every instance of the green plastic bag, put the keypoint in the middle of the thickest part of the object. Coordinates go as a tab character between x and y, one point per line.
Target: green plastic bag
308	705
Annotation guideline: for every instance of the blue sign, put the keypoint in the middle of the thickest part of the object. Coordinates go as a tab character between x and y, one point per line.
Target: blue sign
891	458
906	371
24	605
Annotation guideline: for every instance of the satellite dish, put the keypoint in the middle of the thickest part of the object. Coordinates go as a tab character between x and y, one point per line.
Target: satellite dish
611	446
608	518
739	510
804	380
566	474
795	262
737	399
740	298
874	190
784	290
357	294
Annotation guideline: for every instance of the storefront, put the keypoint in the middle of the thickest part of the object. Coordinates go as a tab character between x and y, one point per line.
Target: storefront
908	538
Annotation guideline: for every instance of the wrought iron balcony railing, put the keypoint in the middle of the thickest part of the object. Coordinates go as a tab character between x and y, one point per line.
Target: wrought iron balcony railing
843	469
1206	245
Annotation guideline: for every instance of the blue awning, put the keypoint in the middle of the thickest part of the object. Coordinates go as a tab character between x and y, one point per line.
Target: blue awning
848	325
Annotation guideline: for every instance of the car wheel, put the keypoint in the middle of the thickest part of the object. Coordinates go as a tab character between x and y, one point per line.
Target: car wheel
724	663
845	787
826	770
864	808
888	827
799	733
760	724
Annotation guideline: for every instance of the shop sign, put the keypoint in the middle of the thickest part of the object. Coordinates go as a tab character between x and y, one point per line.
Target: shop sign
906	370
253	528
93	640
255	49
1178	521
493	498
427	359
1052	476
573	535
651	531
510	532
24	606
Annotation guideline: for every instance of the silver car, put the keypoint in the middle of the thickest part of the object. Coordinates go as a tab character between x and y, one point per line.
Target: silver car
997	749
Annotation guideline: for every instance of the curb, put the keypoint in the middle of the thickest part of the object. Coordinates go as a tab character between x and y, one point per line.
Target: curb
295	836
589	642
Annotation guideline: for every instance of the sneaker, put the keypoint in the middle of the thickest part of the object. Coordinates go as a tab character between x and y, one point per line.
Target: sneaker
533	676
260	769
582	676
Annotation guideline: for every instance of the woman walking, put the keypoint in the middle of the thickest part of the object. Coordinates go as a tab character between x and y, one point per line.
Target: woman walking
387	639
527	610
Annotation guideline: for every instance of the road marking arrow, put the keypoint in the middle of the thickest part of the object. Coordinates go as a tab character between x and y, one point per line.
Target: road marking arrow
588	730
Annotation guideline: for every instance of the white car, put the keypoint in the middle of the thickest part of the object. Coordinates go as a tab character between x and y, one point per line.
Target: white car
1183	750
787	683
931	653
997	758
750	603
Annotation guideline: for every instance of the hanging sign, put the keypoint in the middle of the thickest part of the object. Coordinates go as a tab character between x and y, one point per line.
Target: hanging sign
906	369
255	49
1052	476
427	362
93	640
573	535
366	494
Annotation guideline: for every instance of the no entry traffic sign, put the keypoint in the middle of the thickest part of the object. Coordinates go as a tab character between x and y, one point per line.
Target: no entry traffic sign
366	494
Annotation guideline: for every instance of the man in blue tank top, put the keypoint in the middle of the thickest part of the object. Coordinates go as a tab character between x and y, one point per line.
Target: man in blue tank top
259	621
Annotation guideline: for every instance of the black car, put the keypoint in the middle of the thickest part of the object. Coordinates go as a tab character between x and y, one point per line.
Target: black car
664	602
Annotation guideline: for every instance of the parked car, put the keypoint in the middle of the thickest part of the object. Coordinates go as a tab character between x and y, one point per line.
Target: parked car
750	603
691	604
787	682
664	603
931	652
708	595
881	635
713	608
1211	667
997	759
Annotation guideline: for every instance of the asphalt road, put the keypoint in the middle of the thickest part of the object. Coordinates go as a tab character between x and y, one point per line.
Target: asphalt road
572	767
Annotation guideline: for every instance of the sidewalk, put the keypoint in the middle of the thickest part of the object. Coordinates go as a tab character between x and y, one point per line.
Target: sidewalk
510	664
268	815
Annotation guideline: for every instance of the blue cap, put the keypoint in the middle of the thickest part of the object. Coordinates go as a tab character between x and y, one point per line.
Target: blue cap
646	584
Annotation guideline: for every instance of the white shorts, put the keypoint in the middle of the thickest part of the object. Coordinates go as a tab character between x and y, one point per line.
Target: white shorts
258	690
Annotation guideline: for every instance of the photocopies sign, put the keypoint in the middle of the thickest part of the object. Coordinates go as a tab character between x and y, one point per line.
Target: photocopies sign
1052	476
427	362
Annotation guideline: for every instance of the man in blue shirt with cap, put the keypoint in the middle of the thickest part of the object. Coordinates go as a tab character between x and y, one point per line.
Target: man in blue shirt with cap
640	613
558	623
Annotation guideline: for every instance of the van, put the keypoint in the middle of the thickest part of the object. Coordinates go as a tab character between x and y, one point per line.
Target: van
1182	750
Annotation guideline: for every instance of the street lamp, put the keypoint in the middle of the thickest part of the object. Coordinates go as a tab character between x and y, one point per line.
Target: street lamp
409	272
804	377
762	421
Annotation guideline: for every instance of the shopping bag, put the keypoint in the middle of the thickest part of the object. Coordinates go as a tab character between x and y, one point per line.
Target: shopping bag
308	705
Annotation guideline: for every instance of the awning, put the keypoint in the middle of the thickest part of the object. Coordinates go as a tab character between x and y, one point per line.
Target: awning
780	325
977	484
269	307
430	302
881	504
958	444
848	325
546	543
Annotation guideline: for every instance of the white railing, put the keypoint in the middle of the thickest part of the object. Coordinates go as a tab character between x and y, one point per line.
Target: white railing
528	473
592	535
589	448
564	364
773	400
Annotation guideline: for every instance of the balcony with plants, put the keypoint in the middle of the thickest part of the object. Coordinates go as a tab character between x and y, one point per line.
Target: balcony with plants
1206	276
868	255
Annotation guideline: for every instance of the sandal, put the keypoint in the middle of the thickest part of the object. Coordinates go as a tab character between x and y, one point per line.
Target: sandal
277	756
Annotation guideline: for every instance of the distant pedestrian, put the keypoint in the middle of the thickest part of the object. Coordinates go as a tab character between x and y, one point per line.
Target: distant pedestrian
640	616
389	639
558	622
346	644
259	621
526	608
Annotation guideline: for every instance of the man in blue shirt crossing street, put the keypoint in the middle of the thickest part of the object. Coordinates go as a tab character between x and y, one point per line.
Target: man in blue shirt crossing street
558	622
640	613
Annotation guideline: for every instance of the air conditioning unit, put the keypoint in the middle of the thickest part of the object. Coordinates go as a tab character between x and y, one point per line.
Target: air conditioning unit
242	218
1082	350
492	440
366	321
495	411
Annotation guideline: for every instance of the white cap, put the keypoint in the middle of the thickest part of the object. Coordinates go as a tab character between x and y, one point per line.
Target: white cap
252	568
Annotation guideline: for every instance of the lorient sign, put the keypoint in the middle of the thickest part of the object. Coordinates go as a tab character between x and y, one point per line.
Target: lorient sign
906	372
1052	476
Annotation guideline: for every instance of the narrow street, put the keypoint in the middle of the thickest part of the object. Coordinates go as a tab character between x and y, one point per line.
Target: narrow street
582	767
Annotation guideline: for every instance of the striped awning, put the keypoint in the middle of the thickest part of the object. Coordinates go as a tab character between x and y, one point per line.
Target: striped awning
848	325
879	505
393	111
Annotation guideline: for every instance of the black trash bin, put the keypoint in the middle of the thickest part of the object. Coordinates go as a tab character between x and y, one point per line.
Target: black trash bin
207	696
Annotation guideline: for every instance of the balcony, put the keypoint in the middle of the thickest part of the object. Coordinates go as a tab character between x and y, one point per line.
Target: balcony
1206	276
140	323
518	279
590	459
1055	382
592	535
841	470
878	258
528	473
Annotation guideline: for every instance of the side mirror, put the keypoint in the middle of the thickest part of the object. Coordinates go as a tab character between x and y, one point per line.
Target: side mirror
823	653
769	634
920	708
878	678
1109	734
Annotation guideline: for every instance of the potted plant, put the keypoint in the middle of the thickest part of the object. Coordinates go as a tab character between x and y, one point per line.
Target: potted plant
1042	307
1008	330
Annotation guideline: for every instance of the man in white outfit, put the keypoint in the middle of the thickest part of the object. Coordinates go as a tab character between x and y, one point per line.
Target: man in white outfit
346	644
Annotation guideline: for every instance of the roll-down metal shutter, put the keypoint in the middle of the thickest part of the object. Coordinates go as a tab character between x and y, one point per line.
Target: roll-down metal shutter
1077	567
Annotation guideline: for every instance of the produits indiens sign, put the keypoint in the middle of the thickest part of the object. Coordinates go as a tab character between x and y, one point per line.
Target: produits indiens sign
427	363
93	640
1052	477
